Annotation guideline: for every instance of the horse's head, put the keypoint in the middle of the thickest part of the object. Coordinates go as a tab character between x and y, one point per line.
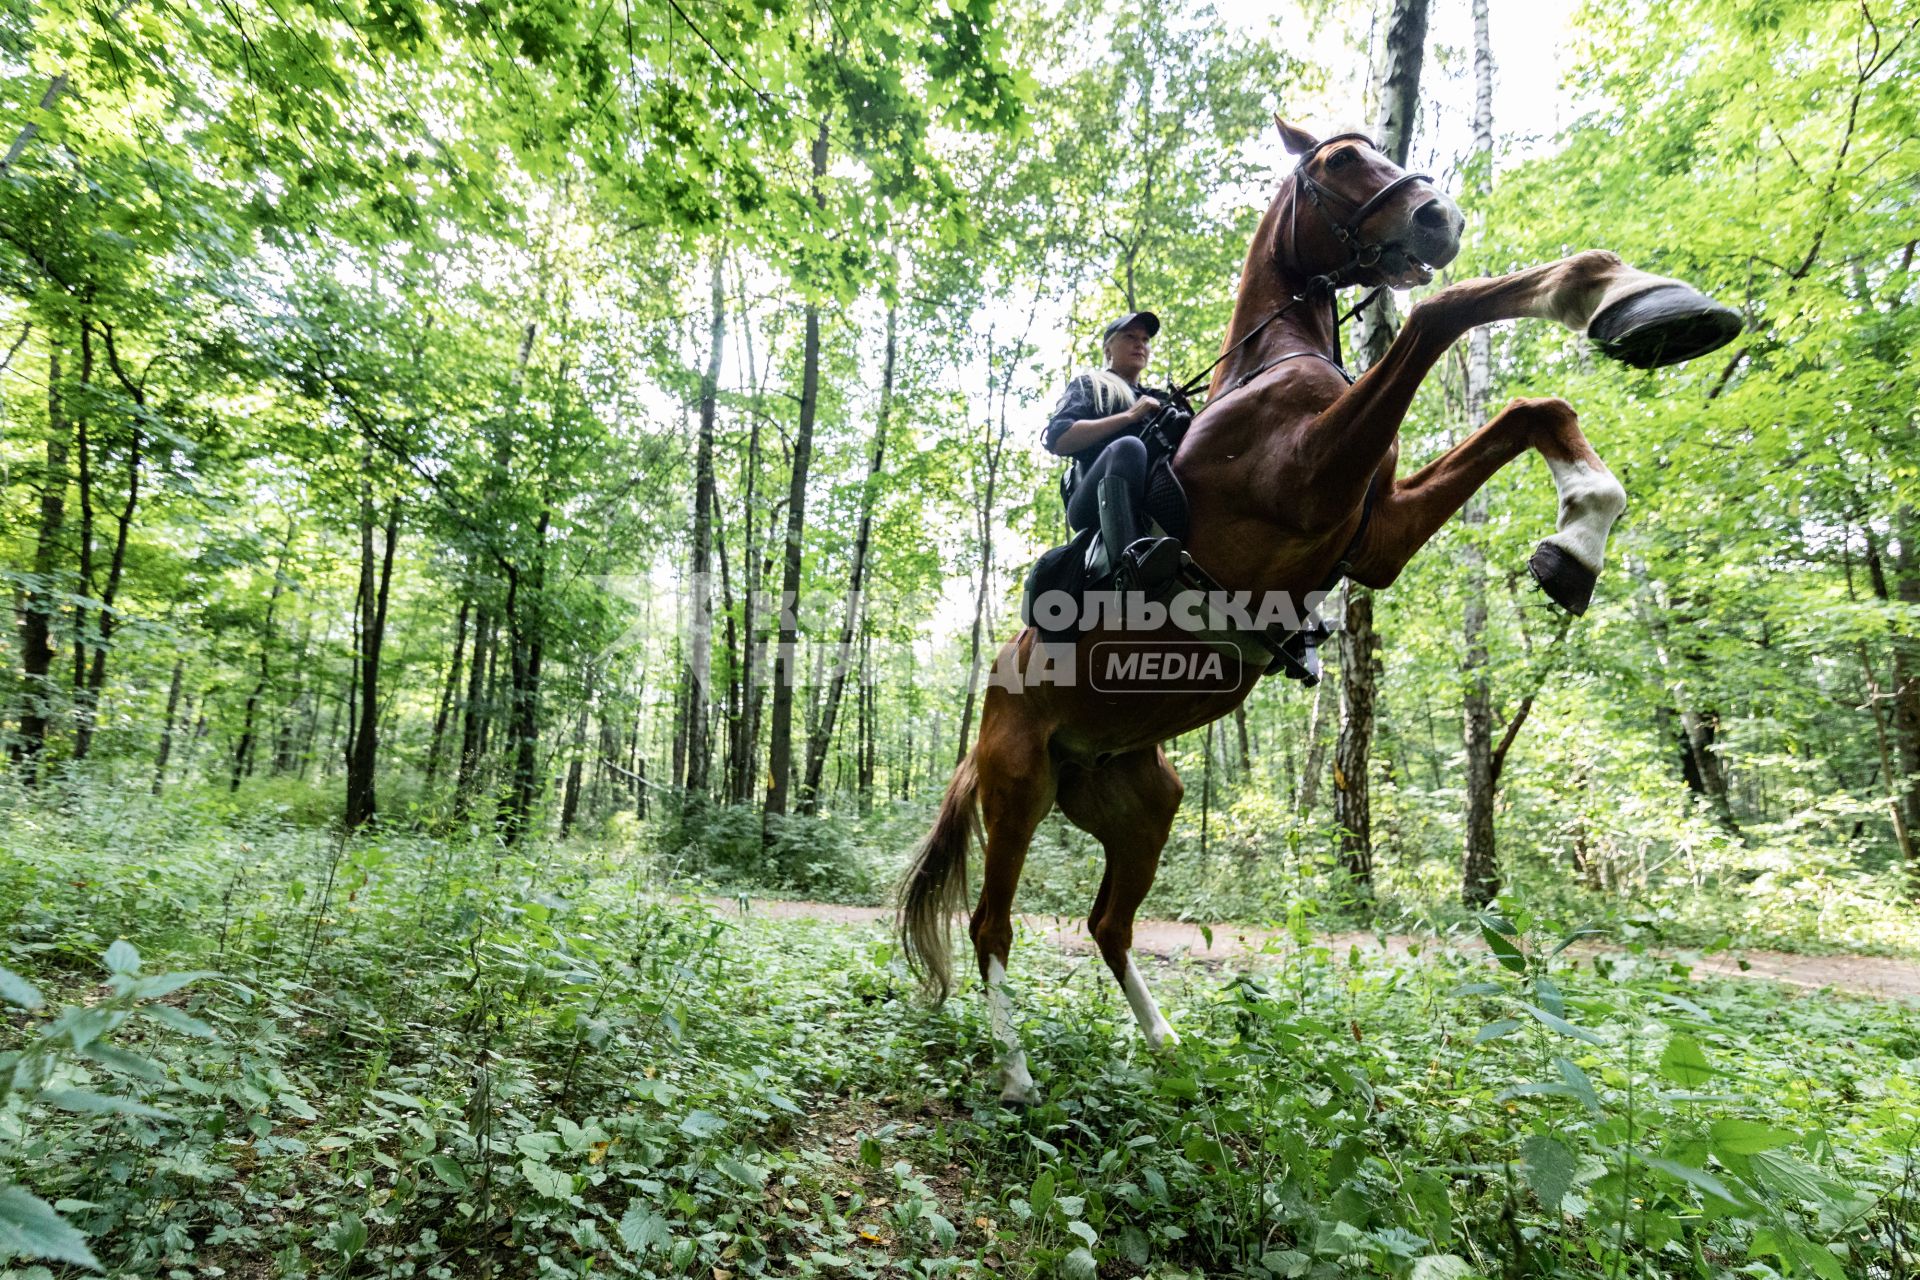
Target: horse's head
1358	217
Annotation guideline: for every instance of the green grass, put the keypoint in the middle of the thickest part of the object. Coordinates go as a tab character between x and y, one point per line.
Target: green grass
445	1060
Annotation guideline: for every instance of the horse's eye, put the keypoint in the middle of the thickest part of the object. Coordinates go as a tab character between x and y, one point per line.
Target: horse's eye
1341	158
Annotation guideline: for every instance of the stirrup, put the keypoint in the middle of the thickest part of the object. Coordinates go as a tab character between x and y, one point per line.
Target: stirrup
1149	564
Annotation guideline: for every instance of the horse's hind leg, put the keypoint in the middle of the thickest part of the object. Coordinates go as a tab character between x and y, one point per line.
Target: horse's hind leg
1567	563
1016	789
1128	805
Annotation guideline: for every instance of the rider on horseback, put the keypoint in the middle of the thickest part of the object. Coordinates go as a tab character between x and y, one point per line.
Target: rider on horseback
1098	423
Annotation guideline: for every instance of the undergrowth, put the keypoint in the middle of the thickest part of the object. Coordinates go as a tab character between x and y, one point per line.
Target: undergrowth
395	1056
1248	859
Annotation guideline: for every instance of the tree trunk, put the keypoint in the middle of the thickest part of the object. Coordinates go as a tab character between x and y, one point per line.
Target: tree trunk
682	694
83	485
752	569
996	448
780	746
362	756
166	728
523	622
1317	743
1906	664
1480	870
731	705
199	727
117	562
473	713
822	739
449	688
36	628
330	750
700	632
1904	723
1699	762
869	762
1902	834
906	759
1359	678
1480	874
283	735
570	801
526	631
490	694
1396	82
243	751
286	731
1246	749
754	689
1396	86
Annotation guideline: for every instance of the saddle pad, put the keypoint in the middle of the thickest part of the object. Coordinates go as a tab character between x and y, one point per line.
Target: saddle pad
1062	569
1166	500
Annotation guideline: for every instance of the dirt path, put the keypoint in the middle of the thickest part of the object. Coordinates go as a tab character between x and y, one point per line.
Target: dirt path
1882	976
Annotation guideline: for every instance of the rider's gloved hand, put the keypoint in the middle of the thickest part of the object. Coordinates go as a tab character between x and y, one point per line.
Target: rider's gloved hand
1143	408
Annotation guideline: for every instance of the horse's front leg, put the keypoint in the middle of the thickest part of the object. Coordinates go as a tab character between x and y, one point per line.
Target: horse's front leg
1567	563
1633	314
1640	313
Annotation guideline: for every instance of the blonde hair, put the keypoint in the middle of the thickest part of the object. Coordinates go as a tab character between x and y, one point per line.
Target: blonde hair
1110	391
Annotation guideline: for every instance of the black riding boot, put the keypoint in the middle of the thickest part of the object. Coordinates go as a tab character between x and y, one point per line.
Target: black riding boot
1140	563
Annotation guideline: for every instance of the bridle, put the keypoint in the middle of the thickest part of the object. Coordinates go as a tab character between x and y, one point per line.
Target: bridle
1361	255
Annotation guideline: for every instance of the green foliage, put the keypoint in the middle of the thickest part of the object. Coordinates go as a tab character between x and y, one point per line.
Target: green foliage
63	1066
284	278
468	1058
733	844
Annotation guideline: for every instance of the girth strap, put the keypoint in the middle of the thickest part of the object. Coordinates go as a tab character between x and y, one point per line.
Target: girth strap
1344	565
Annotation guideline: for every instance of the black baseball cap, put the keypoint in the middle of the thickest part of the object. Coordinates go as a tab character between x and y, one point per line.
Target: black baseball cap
1145	319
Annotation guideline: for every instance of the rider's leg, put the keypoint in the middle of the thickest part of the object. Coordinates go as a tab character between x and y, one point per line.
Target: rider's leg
1116	488
1125	460
1083	508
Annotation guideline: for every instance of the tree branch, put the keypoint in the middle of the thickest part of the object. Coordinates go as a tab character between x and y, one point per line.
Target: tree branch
55	87
27	329
1526	704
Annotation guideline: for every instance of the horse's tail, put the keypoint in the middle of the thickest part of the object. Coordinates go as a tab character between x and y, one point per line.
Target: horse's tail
934	888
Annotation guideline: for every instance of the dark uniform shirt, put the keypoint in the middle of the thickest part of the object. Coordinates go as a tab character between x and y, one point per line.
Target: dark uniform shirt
1077	404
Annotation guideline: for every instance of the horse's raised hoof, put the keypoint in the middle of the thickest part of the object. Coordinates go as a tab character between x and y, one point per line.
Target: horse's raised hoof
1665	325
1567	582
1018	1105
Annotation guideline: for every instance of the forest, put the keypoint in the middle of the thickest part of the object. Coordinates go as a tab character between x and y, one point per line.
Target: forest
509	508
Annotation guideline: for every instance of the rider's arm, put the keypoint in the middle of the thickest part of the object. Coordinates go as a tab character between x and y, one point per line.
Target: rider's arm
1088	432
1074	427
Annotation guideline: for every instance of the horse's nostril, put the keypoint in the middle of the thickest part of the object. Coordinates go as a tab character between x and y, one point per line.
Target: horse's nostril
1433	214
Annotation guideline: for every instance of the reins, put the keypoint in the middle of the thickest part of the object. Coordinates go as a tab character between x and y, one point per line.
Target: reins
1360	255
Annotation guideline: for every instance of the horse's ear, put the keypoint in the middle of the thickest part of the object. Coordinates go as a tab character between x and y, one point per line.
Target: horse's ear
1298	142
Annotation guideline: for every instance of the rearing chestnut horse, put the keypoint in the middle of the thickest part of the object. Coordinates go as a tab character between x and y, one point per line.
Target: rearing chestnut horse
1290	472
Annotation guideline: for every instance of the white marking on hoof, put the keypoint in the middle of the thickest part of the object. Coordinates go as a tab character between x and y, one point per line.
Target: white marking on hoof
1016	1085
1590	501
1152	1024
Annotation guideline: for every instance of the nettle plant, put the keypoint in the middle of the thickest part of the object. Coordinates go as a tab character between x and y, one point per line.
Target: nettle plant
1633	1134
68	1065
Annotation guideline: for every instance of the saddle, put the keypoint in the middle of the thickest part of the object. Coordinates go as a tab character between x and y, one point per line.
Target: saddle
1083	567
